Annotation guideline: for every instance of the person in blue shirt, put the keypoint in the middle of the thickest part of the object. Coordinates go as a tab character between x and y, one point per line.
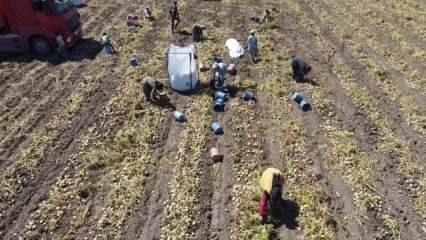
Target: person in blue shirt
252	46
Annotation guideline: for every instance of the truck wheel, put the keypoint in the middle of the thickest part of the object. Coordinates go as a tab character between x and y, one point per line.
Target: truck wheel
40	46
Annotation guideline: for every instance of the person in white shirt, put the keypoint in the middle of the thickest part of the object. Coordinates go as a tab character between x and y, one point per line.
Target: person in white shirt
61	46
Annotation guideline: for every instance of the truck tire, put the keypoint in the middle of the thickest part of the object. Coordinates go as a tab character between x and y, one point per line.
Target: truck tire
40	46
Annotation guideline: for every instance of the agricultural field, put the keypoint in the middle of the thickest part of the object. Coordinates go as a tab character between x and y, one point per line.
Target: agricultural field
82	156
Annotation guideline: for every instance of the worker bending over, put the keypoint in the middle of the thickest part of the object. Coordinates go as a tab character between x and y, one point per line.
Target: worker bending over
151	88
266	19
197	32
174	15
252	46
300	68
271	183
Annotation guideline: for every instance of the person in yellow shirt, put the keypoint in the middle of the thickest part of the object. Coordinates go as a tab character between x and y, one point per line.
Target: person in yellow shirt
271	183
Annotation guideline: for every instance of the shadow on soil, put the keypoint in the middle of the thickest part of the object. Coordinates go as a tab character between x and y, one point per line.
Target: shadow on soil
286	215
87	48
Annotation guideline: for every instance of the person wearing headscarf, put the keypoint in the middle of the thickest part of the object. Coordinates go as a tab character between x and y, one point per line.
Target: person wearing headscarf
271	183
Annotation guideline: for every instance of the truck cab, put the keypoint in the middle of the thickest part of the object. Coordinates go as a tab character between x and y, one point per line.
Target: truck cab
33	25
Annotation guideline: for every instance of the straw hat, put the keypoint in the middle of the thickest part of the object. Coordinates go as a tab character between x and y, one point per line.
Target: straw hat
266	179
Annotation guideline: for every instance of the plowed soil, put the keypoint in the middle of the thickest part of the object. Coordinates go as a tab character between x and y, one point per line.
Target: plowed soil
75	134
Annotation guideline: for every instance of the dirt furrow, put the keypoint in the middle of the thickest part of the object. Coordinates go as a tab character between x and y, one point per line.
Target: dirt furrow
38	93
146	221
19	136
82	119
68	218
388	38
68	144
404	67
401	16
391	196
17	77
390	110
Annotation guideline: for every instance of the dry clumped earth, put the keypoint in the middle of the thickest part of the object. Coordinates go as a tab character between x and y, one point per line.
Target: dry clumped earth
83	157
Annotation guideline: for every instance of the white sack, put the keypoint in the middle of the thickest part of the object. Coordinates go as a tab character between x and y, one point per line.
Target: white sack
182	68
235	48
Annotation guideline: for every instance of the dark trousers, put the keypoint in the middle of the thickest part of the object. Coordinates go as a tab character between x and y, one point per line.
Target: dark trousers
297	72
175	23
197	35
147	89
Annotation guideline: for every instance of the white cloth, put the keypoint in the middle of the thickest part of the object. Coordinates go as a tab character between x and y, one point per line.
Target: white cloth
182	67
235	48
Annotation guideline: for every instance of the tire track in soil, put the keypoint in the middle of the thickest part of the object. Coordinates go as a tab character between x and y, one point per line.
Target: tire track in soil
392	112
392	202
86	116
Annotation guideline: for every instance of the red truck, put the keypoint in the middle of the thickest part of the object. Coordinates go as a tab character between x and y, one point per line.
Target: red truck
32	25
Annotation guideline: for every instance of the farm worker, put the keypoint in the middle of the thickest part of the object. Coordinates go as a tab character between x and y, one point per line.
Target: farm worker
151	87
147	13
216	79
267	18
300	68
197	32
214	75
131	20
252	46
222	70
271	183
174	15
106	41
61	46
